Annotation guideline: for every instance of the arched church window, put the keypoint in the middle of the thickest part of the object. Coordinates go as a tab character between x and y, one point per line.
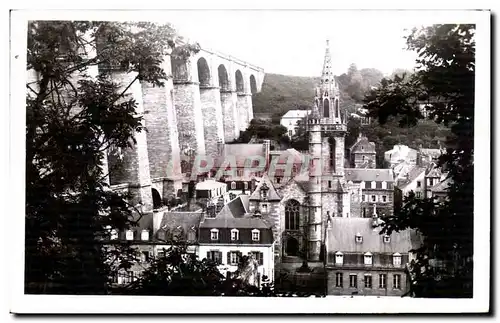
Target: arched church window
292	212
326	108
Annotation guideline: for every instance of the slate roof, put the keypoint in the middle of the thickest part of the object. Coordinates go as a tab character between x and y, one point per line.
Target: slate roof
272	194
295	114
434	171
247	222
209	184
368	146
415	172
341	237
442	186
186	221
234	209
284	156
368	174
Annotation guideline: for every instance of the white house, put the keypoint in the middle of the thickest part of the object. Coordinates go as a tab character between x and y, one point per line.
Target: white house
399	154
232	234
289	120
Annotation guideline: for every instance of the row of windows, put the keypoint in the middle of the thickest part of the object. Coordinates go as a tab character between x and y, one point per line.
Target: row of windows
245	185
129	234
374	198
368	259
233	257
235	234
368	282
374	184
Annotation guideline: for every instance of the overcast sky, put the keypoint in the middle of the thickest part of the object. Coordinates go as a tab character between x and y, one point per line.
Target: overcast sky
293	42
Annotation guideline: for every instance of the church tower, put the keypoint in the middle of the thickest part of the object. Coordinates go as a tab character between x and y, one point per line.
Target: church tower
327	190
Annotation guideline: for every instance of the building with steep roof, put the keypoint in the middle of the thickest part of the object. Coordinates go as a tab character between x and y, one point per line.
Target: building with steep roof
362	153
290	120
361	261
234	233
399	154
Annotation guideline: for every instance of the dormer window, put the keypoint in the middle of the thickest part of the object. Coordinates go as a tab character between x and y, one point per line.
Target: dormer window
245	185
263	191
384	185
396	259
368	259
359	238
339	258
387	239
145	235
374	184
233	185
214	234
129	235
255	235
235	235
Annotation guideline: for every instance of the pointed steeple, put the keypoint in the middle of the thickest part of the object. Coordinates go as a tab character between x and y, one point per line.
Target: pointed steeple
327	73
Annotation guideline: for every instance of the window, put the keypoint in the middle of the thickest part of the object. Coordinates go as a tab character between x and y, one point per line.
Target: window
363	185
214	234
374	184
191	235
278	180
353	281
359	238
235	235
329	184
338	280
145	256
339	258
368	281
233	185
215	256
368	259
384	198
292	212
145	235
264	208
419	194
290	132
114	234
384	185
259	256
129	235
233	257
374	198
382	278
419	184
396	281
160	253
430	181
363	198
387	239
245	185
255	235
396	260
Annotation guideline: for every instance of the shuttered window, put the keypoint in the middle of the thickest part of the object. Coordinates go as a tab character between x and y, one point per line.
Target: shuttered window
215	256
233	258
259	256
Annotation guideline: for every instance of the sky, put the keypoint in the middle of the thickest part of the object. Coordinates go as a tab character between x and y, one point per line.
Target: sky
293	42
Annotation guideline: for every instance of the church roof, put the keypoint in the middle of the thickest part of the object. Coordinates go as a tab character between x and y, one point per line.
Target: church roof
294	114
341	236
368	174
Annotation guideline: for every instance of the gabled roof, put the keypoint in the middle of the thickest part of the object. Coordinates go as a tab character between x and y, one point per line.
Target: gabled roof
341	237
234	209
415	172
185	221
433	171
368	174
295	114
368	146
272	194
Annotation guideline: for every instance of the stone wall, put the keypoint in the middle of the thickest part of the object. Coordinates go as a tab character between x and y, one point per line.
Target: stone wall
212	119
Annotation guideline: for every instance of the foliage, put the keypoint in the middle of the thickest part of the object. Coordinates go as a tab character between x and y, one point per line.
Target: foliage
262	129
444	81
72	119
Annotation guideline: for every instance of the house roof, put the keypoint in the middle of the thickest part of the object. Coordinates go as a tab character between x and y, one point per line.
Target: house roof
185	221
368	174
401	153
415	172
295	114
433	171
234	209
285	156
272	194
432	152
368	146
341	237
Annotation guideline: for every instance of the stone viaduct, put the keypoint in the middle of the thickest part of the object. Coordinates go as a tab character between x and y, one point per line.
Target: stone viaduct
206	99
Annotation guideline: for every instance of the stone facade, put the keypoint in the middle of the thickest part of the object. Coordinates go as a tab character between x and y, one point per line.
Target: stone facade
231	127
212	119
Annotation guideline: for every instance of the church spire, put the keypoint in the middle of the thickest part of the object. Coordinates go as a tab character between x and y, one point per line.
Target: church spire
327	74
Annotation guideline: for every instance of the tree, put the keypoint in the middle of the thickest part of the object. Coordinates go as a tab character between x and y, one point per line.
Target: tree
444	82
263	129
72	120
